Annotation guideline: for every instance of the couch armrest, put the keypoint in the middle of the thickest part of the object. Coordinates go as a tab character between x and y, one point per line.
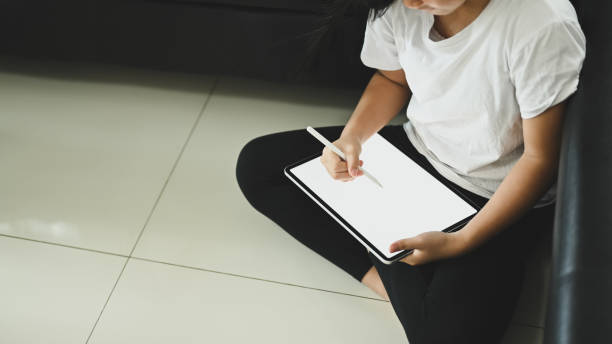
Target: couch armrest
580	297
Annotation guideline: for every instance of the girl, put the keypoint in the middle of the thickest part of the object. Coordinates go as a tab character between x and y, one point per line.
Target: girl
486	82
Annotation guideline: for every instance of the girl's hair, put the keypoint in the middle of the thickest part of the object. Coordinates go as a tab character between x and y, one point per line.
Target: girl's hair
335	20
378	7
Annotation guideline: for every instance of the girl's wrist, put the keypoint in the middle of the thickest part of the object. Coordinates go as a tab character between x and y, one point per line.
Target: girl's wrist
352	134
462	241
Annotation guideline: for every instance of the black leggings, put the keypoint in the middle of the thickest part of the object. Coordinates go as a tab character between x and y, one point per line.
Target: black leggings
466	299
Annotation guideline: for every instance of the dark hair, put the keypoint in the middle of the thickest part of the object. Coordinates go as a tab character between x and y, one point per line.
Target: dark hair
335	17
378	7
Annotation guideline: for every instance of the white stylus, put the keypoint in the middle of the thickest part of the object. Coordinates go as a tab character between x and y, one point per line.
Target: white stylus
339	152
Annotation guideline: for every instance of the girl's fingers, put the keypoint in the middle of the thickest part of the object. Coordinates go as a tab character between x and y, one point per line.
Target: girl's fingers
340	166
344	176
341	172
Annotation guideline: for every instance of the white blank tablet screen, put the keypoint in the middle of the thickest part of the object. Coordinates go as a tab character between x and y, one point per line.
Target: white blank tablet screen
410	202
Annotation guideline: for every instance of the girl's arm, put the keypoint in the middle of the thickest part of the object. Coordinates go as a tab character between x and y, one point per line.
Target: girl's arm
384	96
381	100
528	180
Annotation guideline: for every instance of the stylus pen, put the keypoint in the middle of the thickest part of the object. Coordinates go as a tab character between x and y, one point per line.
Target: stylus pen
339	152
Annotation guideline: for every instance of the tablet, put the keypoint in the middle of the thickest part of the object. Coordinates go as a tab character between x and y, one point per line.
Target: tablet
412	201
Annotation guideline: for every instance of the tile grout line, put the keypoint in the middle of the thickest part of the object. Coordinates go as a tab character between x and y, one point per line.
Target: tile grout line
161	192
188	267
107	299
63	245
178	158
252	278
289	284
218	272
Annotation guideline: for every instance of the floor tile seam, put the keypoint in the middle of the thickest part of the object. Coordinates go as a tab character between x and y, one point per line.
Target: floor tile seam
93	328
251	278
193	127
518	323
208	270
175	164
51	243
288	284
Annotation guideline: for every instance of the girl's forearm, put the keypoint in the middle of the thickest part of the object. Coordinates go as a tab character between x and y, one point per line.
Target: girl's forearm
380	102
528	180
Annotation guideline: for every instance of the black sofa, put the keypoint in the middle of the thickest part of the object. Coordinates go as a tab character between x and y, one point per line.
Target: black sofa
267	39
580	297
264	39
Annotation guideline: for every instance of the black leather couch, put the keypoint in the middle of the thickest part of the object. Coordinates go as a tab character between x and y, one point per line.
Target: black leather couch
580	298
254	38
266	39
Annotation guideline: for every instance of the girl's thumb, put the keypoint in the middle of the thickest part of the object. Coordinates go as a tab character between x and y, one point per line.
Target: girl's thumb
353	163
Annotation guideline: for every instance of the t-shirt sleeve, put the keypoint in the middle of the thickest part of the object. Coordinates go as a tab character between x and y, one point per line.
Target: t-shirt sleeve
379	50
545	68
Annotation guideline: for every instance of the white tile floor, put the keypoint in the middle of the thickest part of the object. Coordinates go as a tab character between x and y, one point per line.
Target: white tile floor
121	221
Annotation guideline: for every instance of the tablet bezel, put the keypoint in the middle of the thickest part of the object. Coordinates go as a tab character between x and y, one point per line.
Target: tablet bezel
401	254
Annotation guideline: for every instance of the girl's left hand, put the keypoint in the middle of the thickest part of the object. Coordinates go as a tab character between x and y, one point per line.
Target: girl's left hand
430	246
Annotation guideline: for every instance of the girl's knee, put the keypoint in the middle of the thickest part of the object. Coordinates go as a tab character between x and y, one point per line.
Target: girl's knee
248	164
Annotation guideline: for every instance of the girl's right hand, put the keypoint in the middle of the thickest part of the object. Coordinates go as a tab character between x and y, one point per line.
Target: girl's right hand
339	169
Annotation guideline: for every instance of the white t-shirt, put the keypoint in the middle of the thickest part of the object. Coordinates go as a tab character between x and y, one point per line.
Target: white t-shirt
469	91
